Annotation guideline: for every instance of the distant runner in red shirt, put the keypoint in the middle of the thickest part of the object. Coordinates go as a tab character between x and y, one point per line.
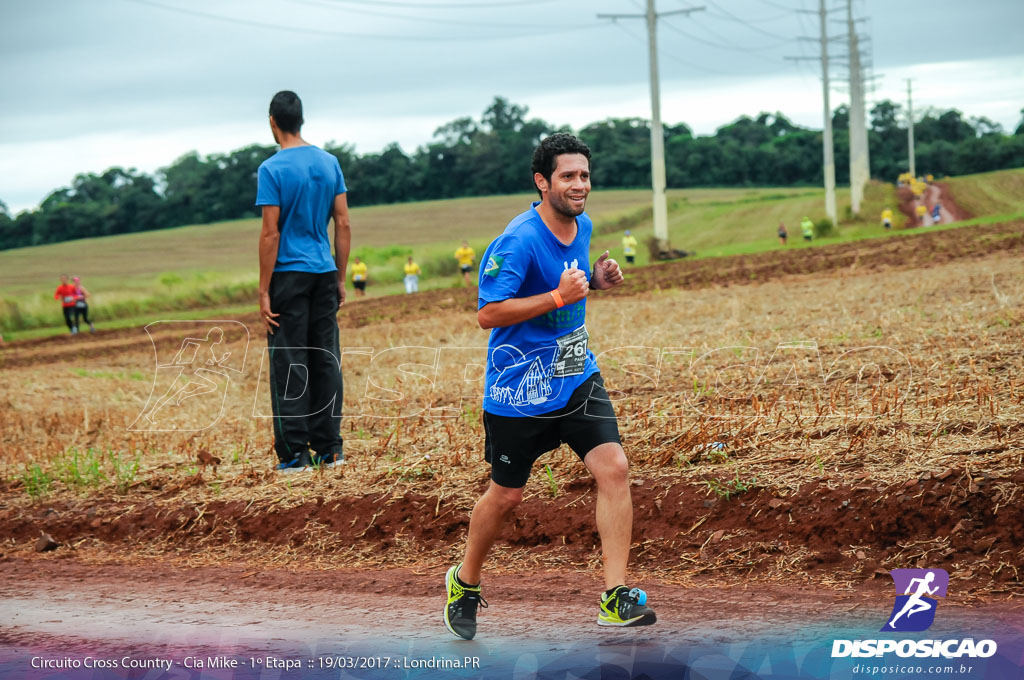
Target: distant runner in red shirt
66	294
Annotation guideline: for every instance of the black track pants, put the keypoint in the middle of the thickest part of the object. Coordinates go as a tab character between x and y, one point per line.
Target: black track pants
305	364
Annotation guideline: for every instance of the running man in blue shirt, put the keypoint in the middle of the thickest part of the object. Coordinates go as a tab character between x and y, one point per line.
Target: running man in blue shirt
542	384
302	286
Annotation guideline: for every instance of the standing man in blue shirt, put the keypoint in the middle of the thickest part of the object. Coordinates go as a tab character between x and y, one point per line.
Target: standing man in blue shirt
542	384
302	286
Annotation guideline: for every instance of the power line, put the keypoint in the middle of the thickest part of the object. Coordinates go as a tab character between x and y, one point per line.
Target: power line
787	12
446	5
727	44
732	17
342	34
777	5
758	20
333	6
806	70
670	55
662	51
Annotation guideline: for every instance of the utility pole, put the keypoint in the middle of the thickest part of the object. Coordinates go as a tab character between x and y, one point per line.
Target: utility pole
828	151
860	164
830	163
910	130
660	205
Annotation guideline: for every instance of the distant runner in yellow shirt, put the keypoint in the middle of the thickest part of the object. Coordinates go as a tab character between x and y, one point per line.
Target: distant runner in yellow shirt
359	276
922	214
465	256
412	276
629	247
887	218
807	227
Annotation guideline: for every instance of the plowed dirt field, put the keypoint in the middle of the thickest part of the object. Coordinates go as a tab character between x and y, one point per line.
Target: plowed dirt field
798	421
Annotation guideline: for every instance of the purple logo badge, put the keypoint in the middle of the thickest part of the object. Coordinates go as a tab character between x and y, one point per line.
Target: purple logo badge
914	609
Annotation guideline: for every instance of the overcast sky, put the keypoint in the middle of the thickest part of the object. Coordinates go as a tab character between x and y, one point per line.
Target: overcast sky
88	84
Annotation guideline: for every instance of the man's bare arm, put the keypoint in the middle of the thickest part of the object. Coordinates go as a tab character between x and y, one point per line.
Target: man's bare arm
572	287
342	241
514	310
270	238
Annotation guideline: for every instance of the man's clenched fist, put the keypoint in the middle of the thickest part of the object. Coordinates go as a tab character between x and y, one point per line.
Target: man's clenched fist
573	286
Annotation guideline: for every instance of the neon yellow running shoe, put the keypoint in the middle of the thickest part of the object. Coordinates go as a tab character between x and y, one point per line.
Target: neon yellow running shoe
460	610
625	607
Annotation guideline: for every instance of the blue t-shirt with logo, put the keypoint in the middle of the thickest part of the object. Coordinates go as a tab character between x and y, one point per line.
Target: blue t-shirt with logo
533	367
303	181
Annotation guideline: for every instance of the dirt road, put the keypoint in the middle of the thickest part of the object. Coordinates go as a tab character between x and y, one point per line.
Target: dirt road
948	211
59	609
936	192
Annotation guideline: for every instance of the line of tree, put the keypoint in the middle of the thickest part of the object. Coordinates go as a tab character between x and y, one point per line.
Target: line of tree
492	156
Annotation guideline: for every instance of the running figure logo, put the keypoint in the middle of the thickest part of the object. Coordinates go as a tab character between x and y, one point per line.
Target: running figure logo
914	610
195	368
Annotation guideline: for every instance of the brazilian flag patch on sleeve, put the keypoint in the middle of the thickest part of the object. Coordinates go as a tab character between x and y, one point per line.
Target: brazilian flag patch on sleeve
494	263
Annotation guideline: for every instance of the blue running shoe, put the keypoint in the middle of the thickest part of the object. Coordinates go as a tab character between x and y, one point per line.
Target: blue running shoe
299	463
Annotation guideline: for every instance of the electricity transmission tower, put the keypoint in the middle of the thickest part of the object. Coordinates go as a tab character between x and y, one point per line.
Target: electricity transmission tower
828	151
660	206
910	130
860	164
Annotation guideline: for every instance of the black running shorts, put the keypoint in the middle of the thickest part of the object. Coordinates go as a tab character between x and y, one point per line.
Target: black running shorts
465	268
514	443
359	285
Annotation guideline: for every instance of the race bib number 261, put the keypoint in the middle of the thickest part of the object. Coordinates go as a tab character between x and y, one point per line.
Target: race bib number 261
572	353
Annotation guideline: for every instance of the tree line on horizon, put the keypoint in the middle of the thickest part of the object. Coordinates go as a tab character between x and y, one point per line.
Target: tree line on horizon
491	156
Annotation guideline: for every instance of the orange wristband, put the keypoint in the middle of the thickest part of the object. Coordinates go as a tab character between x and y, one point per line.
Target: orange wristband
558	299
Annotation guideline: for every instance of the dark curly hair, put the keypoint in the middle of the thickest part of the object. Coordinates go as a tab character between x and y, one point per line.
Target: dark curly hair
286	108
545	156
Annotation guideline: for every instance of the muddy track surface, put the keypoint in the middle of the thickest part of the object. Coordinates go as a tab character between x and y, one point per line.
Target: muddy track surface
908	251
952	520
59	604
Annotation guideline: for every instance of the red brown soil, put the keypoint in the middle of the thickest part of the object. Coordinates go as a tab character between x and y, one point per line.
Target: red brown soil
908	251
936	192
847	531
832	530
950	211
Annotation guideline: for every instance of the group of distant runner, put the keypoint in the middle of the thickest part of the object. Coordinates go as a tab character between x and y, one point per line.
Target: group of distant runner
74	302
917	185
464	254
466	258
806	228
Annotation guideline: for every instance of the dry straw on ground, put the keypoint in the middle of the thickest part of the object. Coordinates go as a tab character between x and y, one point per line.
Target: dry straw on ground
844	380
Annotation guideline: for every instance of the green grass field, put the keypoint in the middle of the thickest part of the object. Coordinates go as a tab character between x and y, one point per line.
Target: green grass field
214	265
137	277
989	193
